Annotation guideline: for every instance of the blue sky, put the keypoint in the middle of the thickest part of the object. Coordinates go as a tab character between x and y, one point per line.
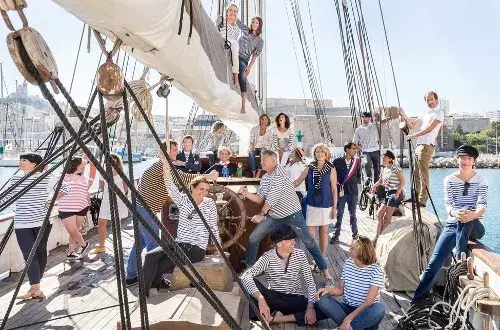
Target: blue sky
448	46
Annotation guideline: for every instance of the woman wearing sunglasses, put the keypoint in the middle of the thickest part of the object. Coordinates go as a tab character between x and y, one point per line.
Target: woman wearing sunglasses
465	195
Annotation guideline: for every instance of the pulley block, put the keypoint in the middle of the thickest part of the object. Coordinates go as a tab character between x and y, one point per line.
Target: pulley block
110	80
38	52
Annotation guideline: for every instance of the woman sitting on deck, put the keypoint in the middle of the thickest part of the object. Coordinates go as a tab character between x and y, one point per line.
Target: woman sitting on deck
224	167
30	212
192	236
359	286
465	195
282	138
393	180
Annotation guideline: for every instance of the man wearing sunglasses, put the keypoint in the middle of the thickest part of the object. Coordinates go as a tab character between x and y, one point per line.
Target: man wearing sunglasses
465	196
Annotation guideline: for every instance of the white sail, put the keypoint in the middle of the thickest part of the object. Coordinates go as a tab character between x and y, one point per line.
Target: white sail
149	31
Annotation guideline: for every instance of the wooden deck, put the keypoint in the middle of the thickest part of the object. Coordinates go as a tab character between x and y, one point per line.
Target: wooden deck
74	289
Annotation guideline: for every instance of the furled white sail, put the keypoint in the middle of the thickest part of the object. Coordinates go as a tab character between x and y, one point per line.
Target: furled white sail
149	31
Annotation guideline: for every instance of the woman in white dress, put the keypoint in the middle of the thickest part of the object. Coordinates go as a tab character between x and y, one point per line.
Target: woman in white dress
321	194
105	212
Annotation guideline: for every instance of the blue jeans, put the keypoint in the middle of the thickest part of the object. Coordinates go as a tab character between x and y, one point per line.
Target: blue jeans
242	76
372	158
254	166
145	239
297	223
454	235
352	202
369	318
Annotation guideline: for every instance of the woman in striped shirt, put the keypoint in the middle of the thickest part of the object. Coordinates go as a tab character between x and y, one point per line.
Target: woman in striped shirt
282	138
359	286
74	201
393	180
465	197
192	235
30	212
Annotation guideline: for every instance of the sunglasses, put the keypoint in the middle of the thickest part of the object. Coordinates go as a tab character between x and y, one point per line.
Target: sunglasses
466	189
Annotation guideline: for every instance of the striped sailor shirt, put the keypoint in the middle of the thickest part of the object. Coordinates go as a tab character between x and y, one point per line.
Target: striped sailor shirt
390	179
358	280
191	228
367	137
277	190
282	275
30	208
459	195
152	185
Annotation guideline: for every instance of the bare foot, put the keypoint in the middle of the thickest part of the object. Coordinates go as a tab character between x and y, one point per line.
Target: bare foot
277	318
242	111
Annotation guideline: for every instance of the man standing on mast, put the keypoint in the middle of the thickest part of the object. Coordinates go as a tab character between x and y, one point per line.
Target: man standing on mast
367	139
425	141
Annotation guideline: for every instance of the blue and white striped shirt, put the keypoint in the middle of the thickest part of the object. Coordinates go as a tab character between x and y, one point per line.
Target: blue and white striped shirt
358	280
31	207
191	229
278	191
285	276
476	194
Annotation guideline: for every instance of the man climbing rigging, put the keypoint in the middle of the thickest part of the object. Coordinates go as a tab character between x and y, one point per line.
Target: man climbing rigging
366	137
425	140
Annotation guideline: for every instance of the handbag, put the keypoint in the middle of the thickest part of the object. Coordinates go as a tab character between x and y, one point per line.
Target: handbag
95	207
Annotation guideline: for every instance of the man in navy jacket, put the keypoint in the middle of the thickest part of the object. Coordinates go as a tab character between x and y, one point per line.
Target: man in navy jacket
348	177
187	160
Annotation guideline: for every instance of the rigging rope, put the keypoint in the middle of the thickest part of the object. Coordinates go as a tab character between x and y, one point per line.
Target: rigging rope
322	134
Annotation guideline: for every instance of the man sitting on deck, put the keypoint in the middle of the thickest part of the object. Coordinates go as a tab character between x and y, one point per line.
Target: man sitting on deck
281	208
284	267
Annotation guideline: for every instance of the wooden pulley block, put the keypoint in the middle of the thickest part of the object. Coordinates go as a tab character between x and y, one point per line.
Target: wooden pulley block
7	5
110	80
38	52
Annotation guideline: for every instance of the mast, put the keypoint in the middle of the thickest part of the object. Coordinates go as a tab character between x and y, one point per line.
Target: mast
1	80
262	72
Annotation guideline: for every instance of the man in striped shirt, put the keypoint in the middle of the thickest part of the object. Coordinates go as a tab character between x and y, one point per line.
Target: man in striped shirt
281	208
366	137
285	269
154	192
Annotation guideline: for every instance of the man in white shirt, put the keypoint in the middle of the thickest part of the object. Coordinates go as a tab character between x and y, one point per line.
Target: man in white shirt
425	140
366	137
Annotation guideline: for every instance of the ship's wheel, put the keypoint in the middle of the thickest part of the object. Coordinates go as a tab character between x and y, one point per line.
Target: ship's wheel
232	215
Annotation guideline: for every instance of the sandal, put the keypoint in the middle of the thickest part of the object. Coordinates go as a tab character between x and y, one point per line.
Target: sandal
29	295
315	268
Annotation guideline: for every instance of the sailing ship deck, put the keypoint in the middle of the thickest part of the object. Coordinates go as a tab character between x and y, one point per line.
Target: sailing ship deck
75	289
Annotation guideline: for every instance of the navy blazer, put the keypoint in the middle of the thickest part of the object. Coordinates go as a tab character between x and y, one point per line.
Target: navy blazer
193	164
233	168
351	186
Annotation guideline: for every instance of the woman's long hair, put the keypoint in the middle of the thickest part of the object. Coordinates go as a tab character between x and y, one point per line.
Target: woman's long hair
259	30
